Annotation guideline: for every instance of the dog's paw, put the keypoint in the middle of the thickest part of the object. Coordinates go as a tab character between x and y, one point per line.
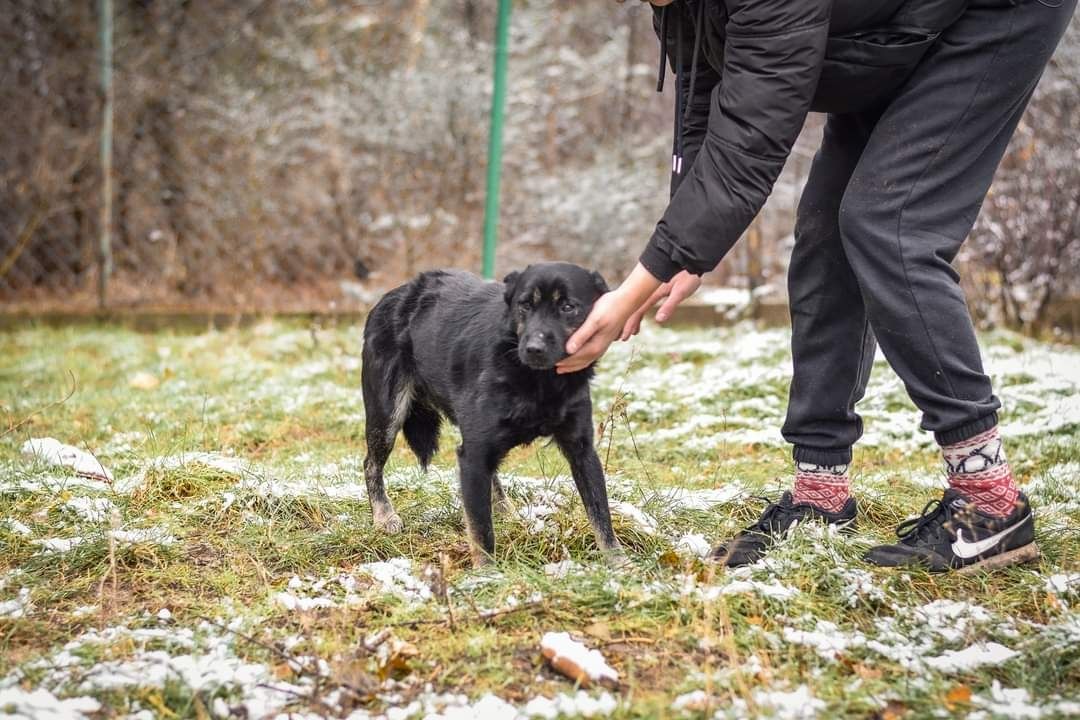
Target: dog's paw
617	559
390	524
503	506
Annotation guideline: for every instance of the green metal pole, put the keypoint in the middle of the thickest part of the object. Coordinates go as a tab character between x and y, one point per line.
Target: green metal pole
494	169
105	24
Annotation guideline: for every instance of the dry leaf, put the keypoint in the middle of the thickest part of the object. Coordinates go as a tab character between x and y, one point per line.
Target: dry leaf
867	673
393	657
670	559
957	695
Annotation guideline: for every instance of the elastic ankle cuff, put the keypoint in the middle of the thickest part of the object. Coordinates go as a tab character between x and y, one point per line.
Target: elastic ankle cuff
822	456
966	432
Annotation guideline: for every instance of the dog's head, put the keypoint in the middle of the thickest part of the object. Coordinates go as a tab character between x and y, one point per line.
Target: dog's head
546	303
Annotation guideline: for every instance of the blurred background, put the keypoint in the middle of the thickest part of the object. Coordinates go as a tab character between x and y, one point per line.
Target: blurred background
305	156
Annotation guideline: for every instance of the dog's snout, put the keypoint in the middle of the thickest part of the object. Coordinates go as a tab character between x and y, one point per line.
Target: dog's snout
535	345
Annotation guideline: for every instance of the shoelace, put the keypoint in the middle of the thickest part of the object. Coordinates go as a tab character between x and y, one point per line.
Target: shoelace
914	527
765	522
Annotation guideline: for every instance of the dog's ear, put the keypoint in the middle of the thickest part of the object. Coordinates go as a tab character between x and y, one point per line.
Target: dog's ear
511	286
598	282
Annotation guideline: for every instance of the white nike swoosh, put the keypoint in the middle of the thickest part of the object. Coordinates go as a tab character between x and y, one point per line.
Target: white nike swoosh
967	550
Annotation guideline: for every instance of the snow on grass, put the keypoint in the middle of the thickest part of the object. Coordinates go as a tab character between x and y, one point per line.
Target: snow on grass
826	639
17	527
19	704
18	607
207	664
1018	704
395	577
59	545
694	544
579	704
392	577
284	414
797	704
641	520
94	510
54	452
1063	584
972	657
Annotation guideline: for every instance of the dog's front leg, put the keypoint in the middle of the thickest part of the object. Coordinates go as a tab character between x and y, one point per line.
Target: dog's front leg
576	444
476	466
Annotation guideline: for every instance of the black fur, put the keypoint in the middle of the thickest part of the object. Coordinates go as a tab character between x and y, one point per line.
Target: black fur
482	355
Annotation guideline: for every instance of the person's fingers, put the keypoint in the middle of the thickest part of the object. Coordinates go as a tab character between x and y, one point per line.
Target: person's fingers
632	326
584	357
679	292
583	334
633	323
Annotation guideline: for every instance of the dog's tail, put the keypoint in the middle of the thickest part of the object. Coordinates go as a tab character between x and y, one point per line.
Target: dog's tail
421	430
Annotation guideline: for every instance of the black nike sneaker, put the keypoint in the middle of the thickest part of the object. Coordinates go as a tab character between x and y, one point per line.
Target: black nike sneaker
778	519
951	534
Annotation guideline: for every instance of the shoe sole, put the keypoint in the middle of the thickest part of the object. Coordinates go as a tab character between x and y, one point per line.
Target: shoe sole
1022	554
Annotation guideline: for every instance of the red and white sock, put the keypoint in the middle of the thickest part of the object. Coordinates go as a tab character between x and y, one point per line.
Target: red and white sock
823	486
977	467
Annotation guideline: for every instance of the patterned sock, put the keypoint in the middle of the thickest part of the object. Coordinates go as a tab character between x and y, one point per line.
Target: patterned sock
977	467
823	486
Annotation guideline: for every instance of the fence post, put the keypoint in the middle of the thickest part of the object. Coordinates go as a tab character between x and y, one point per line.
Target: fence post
494	168
105	26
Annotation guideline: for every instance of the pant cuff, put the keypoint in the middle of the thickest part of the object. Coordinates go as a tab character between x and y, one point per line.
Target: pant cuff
822	456
966	432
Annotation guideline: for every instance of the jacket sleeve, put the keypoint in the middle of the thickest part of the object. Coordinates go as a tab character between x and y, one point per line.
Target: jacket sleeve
697	116
772	59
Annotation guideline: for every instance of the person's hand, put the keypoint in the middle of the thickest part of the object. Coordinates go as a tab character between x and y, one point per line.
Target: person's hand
606	320
675	290
591	340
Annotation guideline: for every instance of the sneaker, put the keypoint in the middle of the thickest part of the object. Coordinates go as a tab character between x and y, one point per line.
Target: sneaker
951	534
778	519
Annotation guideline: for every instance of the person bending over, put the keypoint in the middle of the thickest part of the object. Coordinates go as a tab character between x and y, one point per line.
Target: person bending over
922	97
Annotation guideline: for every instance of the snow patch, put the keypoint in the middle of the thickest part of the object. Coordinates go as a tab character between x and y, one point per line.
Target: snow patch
971	657
19	704
693	544
16	608
641	520
54	452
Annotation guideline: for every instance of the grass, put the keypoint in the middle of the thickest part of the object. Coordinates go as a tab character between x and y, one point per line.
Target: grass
681	411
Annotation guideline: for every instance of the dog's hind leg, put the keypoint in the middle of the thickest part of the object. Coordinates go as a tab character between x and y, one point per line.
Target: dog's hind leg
588	475
385	409
500	501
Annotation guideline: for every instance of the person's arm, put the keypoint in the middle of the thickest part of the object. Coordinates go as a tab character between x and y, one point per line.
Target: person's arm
772	60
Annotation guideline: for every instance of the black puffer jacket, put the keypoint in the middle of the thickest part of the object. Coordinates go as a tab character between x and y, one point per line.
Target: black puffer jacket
748	71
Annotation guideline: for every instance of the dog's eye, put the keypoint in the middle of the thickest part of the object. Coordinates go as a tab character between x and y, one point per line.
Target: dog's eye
567	307
524	303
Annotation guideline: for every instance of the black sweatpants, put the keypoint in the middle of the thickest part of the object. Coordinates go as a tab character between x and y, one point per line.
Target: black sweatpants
891	196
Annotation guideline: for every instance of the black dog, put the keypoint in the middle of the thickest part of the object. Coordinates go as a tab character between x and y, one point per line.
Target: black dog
483	355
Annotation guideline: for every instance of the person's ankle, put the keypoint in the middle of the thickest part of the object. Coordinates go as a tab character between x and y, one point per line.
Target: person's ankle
978	469
825	487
